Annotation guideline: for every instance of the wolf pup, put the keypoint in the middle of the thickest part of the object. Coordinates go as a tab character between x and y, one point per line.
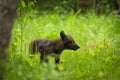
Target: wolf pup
53	47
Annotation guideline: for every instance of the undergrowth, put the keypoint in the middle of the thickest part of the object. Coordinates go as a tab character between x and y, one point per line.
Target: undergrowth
97	59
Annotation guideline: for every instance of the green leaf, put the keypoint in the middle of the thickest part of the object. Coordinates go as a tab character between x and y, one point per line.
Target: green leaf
30	4
100	74
23	3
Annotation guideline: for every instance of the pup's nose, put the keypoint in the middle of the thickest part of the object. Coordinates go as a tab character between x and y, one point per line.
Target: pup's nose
78	47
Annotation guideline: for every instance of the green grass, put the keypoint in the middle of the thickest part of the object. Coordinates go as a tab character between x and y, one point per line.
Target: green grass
97	59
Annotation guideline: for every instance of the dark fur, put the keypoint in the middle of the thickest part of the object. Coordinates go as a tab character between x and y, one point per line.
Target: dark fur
53	47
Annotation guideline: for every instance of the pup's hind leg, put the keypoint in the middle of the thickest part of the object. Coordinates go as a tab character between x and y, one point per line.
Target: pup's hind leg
57	59
43	58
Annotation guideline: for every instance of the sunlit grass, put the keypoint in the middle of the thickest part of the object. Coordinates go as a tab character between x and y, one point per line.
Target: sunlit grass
97	59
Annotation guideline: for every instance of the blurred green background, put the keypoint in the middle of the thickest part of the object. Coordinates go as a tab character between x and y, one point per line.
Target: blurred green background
93	25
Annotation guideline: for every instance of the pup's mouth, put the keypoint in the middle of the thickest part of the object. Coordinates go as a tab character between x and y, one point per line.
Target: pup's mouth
76	47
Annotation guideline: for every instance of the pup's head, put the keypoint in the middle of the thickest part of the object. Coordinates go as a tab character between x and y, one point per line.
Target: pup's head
68	41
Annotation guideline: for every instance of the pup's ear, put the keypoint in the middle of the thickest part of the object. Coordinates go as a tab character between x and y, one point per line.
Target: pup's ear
63	35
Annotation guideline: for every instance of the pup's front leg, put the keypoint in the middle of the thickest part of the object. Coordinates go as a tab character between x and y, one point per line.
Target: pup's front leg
58	63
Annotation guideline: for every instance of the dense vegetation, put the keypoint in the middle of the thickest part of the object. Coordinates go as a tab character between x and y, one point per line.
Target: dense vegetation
97	59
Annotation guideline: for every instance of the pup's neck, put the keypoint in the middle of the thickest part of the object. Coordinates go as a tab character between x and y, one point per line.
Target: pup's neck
58	44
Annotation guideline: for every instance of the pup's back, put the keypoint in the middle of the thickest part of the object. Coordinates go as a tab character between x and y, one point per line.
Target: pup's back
39	45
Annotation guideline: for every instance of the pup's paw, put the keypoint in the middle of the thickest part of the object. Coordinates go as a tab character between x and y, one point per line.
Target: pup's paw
59	67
